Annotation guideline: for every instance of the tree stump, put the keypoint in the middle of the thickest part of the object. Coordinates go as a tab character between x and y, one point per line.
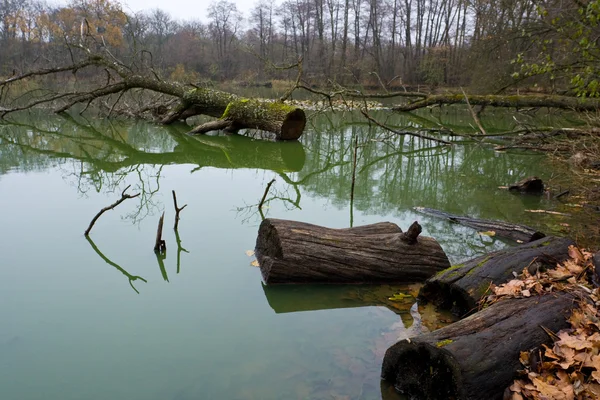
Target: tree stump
297	252
460	287
531	185
477	357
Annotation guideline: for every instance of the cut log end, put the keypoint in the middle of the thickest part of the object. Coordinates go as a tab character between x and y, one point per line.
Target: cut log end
425	369
293	125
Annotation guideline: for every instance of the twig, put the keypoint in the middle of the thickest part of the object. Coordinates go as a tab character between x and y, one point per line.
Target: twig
417	134
177	210
265	194
160	246
473	114
116	203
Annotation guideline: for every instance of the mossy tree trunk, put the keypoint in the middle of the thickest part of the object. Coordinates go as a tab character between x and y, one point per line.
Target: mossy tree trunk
233	112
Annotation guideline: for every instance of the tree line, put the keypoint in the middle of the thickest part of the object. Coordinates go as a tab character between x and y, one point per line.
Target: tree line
487	44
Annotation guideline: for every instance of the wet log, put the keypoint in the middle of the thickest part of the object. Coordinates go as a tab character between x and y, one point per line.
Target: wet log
461	287
475	358
297	252
518	233
530	185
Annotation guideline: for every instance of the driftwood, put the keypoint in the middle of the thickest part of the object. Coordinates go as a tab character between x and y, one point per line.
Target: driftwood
462	286
297	252
477	357
516	232
532	185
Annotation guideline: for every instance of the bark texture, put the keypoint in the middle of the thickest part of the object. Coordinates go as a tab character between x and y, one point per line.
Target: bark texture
477	357
461	287
553	101
516	232
297	252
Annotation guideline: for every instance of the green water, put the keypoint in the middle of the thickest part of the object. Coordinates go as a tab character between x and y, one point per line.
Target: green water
107	319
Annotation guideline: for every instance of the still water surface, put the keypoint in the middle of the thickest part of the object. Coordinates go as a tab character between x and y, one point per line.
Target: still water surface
106	319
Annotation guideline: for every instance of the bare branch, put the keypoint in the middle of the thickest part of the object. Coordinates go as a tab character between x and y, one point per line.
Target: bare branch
124	197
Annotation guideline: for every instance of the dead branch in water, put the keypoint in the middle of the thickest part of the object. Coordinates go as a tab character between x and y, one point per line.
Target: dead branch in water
124	197
160	246
177	210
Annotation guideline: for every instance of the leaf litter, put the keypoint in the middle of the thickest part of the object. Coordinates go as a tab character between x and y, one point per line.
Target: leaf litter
570	368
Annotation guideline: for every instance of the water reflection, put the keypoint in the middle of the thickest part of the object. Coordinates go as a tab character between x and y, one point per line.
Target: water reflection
392	174
130	277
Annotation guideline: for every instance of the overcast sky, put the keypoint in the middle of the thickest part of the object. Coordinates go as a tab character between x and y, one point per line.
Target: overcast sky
183	9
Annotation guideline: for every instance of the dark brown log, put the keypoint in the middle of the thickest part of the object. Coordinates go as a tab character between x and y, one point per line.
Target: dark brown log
477	357
532	185
516	101
297	252
461	287
516	232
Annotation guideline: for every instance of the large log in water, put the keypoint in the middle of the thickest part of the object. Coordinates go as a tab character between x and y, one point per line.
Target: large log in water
516	232
477	357
235	113
297	252
461	286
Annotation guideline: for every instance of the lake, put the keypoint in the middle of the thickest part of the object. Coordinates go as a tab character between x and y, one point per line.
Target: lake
105	318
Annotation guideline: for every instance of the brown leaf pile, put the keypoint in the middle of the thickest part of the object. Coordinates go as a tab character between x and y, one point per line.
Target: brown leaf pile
570	273
570	369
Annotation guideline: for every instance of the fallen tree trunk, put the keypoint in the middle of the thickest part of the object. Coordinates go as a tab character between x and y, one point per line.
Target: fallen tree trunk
235	113
285	121
517	101
475	358
461	287
297	252
516	232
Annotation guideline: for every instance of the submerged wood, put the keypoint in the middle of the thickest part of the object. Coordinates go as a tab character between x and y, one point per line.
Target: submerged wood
461	287
475	358
518	233
297	252
532	185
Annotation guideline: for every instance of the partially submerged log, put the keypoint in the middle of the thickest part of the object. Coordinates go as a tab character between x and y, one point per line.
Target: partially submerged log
461	287
518	233
531	185
475	358
297	252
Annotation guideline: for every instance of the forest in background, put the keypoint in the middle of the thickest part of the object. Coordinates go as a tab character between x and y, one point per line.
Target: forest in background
486	45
